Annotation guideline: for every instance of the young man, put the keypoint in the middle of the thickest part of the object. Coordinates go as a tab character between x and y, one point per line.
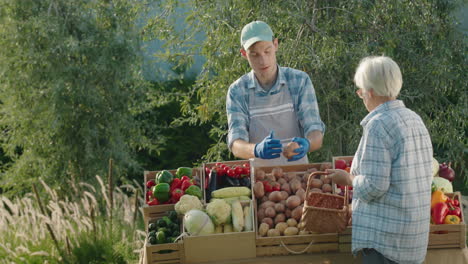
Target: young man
271	105
391	171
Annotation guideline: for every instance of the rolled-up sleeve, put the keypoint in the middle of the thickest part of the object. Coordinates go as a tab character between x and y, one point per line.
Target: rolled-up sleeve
308	111
237	114
375	167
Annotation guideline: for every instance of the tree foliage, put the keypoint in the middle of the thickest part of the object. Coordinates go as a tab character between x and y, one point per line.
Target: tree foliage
327	39
69	83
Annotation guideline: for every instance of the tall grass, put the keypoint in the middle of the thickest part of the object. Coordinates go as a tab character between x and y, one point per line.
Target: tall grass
80	222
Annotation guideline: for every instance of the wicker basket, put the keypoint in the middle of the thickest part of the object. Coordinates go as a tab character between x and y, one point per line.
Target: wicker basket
323	212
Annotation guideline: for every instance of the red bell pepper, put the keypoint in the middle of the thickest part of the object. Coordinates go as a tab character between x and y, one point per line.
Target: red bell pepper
186	184
185	178
176	183
454	210
453	202
438	212
153	202
267	186
176	194
149	195
150	184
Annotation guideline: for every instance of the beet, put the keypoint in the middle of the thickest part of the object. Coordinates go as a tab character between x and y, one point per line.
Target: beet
445	171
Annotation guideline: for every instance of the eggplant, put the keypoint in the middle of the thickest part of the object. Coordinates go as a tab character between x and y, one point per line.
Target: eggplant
232	182
245	181
212	184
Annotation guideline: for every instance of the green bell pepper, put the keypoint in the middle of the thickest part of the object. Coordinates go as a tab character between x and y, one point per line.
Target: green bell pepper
164	176
184	171
195	191
161	192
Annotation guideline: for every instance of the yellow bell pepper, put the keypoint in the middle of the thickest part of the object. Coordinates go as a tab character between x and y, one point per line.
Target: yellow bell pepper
438	197
452	220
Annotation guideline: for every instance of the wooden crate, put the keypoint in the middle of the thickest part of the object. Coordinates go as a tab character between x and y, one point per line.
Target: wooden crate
299	244
229	163
169	253
155	254
157	211
345	240
221	247
449	236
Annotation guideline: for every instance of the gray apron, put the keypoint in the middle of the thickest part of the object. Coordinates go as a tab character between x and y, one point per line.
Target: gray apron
274	112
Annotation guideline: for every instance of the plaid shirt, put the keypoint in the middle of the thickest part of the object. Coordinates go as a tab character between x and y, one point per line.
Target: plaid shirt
392	189
302	93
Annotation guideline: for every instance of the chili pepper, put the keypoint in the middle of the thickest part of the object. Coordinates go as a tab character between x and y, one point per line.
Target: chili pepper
452	220
454	210
438	197
438	212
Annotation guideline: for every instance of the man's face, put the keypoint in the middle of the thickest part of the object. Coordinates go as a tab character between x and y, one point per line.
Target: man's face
262	58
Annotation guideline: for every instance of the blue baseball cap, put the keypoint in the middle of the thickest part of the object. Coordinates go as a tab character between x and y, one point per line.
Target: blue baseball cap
255	31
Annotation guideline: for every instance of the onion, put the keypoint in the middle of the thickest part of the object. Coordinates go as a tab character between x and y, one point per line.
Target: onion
446	172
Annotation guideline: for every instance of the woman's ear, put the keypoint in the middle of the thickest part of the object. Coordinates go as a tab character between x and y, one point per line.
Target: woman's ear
243	52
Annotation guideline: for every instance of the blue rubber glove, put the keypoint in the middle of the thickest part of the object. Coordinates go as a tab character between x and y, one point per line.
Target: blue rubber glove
269	148
302	150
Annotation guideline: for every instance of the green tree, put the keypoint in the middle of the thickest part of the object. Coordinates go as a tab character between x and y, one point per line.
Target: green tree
327	39
69	86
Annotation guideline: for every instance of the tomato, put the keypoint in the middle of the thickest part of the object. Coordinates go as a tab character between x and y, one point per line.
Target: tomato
246	171
226	168
246	165
231	173
340	164
207	170
239	170
150	184
267	186
218	164
220	171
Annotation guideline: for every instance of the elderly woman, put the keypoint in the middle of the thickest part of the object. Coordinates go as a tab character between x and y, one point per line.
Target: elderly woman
390	172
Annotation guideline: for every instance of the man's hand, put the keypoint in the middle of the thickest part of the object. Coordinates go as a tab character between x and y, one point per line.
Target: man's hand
269	148
302	150
340	177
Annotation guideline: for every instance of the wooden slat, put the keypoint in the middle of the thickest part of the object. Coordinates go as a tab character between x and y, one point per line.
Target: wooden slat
153	254
299	239
345	248
280	250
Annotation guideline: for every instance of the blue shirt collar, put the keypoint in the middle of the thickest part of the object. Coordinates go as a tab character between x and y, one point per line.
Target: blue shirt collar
393	104
280	81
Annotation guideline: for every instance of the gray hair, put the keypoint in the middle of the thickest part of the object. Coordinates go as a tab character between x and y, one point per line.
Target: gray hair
380	74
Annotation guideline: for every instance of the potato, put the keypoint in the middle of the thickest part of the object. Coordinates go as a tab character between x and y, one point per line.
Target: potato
291	222
297	213
268	221
273	233
286	187
270	177
258	190
275	196
260	214
291	231
284	195
260	175
288	213
293	201
270	212
316	183
279	208
325	179
288	151
316	190
303	232
282	181
291	176
281	227
327	188
277	172
311	170
266	204
295	185
325	166
264	199
301	194
263	229
280	218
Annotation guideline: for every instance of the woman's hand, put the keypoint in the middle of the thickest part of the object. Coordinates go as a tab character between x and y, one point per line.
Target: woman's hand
340	177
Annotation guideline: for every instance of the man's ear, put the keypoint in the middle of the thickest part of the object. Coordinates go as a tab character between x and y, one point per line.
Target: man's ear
243	53
275	43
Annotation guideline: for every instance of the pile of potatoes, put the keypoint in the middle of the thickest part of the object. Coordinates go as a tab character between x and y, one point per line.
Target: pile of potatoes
279	210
